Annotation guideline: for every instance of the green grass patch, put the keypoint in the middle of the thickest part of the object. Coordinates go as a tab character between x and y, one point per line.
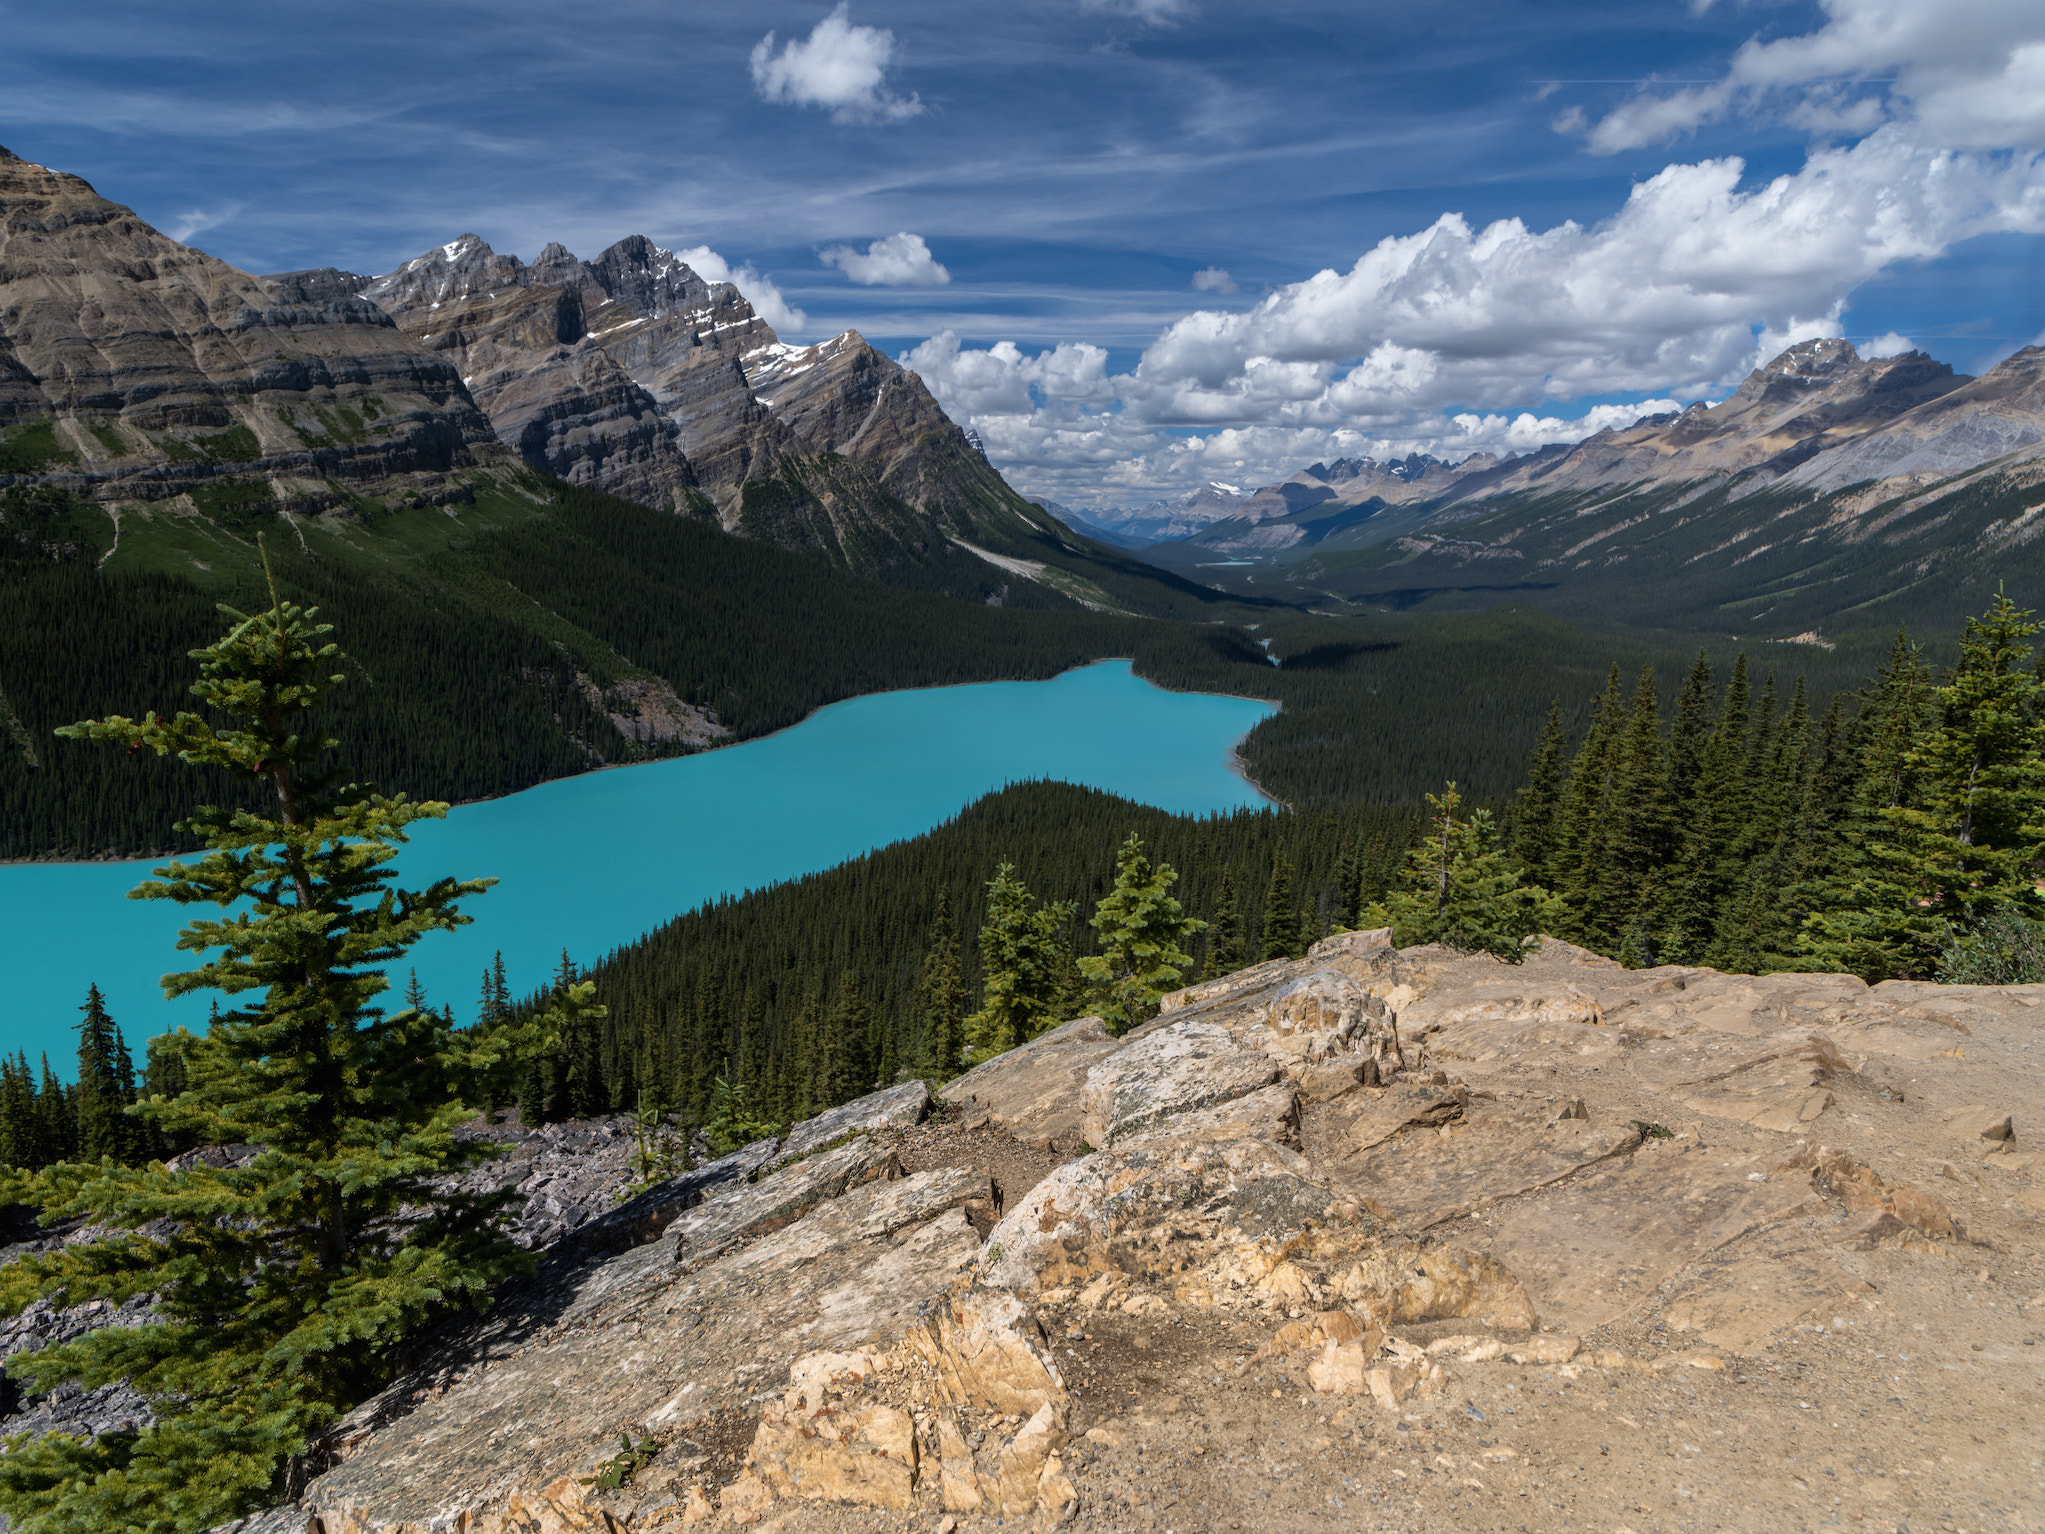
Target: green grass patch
109	439
243	507
343	423
31	447
177	450
235	445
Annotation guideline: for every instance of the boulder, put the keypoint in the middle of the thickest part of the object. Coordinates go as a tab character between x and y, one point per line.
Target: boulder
1173	1071
893	1108
1034	1091
1981	1123
488	1435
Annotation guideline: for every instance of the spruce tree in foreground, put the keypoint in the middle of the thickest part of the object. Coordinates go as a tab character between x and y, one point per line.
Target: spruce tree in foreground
1024	956
1141	926
1461	890
1963	838
284	1287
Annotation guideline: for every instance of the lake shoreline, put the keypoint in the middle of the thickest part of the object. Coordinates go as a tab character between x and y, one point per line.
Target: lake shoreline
1234	761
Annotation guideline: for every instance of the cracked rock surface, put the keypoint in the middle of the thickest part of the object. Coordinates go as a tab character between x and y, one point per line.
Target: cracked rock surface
1589	1247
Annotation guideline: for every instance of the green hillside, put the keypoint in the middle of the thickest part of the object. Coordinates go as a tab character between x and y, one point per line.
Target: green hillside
1699	556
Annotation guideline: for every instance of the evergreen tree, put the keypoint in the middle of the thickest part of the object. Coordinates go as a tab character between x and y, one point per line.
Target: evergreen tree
735	1119
1225	947
1537	806
1343	897
1691	730
1704	871
1635	844
1462	890
106	1087
20	1125
944	995
164	1075
1966	837
1280	930
806	1091
1572	867
1140	925
286	1287
582	1075
1022	956
56	1120
494	1005
848	1066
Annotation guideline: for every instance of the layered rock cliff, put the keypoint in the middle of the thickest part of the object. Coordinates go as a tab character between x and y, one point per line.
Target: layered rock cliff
633	374
1377	1234
133	366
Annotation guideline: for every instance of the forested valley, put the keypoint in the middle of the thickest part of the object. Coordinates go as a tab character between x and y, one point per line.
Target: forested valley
1716	821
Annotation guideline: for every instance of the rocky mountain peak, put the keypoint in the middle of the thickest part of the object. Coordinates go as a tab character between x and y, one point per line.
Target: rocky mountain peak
159	367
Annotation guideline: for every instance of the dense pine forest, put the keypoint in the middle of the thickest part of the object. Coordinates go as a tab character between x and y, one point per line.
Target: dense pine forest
484	645
1898	832
810	991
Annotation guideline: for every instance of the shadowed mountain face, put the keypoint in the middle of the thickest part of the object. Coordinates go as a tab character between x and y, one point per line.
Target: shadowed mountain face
133	366
632	374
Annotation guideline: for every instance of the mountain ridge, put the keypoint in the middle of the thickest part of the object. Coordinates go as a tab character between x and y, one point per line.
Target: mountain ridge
133	365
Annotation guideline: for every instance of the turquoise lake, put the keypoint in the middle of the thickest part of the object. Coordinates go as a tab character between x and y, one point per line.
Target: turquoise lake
590	863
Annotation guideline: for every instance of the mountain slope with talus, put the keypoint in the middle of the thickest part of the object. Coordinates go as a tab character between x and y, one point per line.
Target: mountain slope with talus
632	374
132	366
1830	494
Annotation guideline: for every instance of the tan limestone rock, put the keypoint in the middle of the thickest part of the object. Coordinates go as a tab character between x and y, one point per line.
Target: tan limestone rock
746	1500
1981	1123
986	1349
865	1455
1176	1070
1034	1091
1402	1281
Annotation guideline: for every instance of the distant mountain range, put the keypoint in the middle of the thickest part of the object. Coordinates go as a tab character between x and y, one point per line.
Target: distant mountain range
1828	489
1136	527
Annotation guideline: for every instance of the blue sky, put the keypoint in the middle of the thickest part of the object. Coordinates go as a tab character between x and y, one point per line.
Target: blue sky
1738	175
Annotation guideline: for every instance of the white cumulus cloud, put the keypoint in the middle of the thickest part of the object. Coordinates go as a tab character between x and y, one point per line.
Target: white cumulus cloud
758	288
1969	73
1459	338
899	261
1213	279
839	65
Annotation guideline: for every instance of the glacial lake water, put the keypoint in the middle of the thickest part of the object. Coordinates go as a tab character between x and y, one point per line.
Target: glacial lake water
590	863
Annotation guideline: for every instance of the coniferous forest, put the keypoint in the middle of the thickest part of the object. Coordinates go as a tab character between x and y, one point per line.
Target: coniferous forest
1733	819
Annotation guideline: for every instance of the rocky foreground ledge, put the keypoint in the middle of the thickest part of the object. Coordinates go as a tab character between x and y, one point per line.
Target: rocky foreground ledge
1377	1238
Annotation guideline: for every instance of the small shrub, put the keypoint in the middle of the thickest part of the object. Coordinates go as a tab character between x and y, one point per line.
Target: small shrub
235	445
2005	948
